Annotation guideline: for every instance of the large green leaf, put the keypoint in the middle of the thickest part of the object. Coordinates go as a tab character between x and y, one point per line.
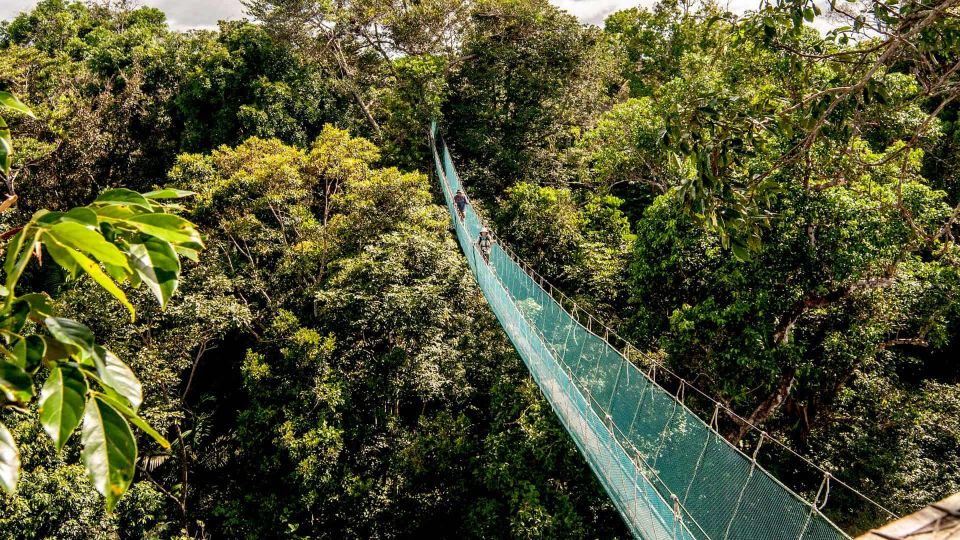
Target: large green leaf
61	255
173	229
17	317
9	461
124	196
19	251
168	193
131	416
10	101
109	450
87	240
15	383
118	376
82	215
94	271
157	264
40	307
36	349
71	332
61	403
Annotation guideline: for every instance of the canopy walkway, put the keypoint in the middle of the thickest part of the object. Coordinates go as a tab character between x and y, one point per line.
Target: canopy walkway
669	473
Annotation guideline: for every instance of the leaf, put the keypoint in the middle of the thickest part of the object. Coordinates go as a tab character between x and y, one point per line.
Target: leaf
118	376
9	461
61	403
36	349
18	353
6	147
17	317
7	203
40	307
10	101
109	450
19	251
15	383
740	250
81	215
136	420
54	350
156	262
61	255
86	240
124	196
93	270
168	193
71	332
173	229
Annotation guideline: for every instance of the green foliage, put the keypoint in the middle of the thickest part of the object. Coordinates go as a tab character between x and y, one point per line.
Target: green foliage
530	78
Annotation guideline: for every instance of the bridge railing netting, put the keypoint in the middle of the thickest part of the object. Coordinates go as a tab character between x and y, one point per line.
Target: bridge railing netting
668	472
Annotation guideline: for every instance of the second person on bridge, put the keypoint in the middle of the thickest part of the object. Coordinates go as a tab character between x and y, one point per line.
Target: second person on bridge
485	243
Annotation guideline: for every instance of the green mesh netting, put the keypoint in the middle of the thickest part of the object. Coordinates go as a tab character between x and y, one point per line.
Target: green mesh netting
669	474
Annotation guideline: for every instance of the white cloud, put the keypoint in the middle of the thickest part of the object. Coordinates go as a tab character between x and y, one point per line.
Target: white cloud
184	14
595	11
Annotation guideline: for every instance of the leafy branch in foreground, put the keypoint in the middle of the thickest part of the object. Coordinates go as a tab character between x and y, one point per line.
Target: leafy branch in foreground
123	236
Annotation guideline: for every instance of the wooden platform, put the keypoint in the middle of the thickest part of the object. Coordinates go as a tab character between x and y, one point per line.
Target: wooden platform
939	521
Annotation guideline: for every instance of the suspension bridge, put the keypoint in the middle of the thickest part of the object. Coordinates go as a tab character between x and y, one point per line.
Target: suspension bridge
670	474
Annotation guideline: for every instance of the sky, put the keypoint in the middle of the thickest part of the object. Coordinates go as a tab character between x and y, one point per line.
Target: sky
184	14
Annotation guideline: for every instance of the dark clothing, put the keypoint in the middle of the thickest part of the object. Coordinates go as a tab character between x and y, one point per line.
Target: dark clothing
460	200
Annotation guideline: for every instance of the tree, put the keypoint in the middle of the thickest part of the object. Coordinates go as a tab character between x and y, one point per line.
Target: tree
530	77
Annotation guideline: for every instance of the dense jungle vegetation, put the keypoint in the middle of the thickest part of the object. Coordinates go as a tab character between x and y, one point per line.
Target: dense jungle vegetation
768	207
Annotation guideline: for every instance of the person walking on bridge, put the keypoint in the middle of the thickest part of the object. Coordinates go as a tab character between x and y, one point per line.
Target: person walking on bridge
485	243
460	200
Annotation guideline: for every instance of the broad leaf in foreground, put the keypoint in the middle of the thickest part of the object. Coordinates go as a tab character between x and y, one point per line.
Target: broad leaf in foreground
118	376
156	262
109	450
61	403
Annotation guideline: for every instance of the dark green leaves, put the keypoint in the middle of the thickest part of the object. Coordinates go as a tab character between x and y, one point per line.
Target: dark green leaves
9	461
61	403
109	450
